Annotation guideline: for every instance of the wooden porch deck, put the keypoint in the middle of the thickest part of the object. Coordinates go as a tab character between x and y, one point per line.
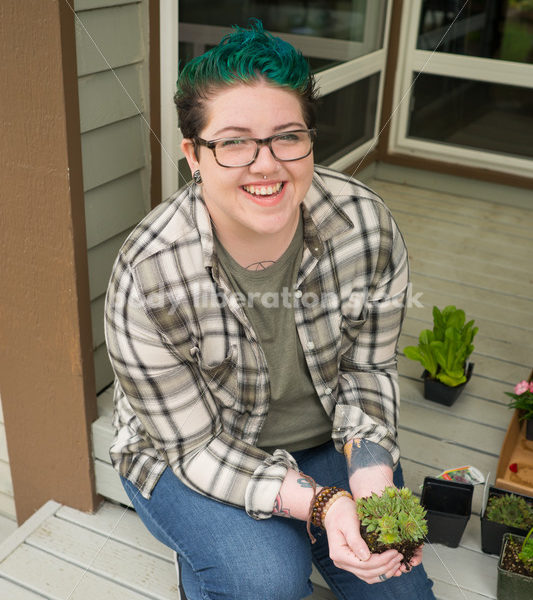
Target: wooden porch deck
471	253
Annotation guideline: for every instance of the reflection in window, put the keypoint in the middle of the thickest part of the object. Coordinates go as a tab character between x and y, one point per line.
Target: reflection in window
328	32
486	116
346	119
500	29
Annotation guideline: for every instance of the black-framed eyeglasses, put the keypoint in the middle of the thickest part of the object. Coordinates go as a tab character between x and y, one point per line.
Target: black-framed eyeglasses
242	151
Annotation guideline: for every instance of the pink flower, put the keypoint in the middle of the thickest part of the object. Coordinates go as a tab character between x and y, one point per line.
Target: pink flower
531	387
521	387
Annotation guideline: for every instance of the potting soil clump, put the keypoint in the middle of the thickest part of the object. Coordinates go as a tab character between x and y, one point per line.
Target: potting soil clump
511	561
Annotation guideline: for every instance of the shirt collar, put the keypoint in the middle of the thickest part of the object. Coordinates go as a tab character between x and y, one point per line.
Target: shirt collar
323	218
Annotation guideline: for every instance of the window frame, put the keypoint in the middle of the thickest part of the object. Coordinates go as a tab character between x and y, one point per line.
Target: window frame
412	61
328	80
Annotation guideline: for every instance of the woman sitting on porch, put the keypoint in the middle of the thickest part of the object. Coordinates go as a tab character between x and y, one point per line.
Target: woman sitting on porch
252	321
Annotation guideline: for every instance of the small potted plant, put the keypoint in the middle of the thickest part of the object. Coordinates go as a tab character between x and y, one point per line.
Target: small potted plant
515	568
505	512
448	505
444	352
393	520
523	401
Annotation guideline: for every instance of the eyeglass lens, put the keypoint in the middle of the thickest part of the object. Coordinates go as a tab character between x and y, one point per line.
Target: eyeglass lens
285	146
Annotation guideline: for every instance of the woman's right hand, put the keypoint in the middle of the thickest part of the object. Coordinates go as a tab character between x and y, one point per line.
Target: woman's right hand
348	550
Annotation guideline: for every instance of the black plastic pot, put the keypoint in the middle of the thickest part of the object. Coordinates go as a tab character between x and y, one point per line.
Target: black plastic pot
529	430
491	532
512	585
436	391
448	505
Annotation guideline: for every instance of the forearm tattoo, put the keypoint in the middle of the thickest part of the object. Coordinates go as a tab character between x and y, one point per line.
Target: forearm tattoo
282	511
279	509
363	453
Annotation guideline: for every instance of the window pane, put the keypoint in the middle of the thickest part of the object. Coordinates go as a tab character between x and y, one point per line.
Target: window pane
346	119
486	116
327	32
484	28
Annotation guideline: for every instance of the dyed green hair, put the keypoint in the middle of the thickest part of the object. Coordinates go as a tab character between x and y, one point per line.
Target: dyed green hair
244	56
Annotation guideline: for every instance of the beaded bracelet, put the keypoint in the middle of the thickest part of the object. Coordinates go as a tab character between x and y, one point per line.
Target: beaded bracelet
319	502
329	503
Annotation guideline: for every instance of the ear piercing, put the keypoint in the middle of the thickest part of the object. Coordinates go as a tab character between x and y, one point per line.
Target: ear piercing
197	176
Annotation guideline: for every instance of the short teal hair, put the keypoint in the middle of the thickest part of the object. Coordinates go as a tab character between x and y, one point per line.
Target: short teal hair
243	56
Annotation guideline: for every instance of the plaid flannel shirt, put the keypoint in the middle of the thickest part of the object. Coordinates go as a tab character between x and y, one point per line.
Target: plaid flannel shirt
192	384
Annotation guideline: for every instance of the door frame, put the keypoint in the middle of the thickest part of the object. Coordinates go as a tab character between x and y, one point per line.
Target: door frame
412	60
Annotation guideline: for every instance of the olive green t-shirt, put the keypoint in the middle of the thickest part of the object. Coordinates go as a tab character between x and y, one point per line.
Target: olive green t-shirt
296	418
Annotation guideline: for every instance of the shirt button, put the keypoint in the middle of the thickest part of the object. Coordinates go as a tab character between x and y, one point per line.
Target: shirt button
317	249
310	345
327	391
298	294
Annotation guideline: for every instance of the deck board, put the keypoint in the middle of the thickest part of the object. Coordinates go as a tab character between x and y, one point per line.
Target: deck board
106	558
14	591
57	579
468	252
120	524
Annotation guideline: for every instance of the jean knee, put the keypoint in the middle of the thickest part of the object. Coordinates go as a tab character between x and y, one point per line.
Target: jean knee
283	576
283	581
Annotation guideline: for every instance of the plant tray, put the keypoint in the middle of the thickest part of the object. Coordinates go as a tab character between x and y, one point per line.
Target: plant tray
516	449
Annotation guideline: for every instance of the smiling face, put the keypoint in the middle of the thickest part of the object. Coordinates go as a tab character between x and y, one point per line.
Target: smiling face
261	199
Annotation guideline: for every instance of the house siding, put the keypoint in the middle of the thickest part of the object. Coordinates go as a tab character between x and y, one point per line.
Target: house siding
112	58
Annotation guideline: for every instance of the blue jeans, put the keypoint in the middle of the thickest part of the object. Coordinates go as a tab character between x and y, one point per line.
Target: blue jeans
226	555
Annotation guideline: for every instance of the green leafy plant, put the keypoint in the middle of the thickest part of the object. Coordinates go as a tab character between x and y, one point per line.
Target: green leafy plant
444	350
526	553
510	510
393	520
523	399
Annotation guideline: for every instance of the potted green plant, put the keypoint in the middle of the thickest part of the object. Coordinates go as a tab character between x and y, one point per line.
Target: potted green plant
523	401
448	505
444	352
393	520
505	512
515	568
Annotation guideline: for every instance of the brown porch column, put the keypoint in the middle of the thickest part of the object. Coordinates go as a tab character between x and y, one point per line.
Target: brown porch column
46	365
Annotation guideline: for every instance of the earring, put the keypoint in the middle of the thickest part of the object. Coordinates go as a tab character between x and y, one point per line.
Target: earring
197	176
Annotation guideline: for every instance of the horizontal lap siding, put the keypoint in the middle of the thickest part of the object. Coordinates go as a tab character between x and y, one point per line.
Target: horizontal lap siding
112	55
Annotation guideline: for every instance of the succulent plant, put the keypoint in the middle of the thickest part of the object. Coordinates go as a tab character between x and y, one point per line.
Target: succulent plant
526	553
444	350
393	520
510	510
